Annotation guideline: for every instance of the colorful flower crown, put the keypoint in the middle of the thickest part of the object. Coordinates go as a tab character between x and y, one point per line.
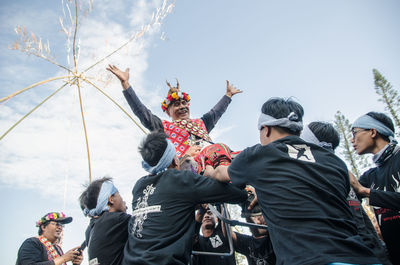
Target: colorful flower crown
50	217
173	97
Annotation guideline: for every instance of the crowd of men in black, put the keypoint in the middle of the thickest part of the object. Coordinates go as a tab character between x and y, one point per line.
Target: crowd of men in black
291	181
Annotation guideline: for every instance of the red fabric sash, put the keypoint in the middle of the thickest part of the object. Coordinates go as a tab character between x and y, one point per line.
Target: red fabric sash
179	131
213	155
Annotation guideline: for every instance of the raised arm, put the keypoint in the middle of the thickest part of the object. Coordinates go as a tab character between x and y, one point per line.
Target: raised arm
149	120
211	118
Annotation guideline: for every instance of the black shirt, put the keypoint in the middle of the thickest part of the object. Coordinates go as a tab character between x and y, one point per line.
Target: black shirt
302	190
217	243
33	252
162	226
384	182
366	229
106	237
258	251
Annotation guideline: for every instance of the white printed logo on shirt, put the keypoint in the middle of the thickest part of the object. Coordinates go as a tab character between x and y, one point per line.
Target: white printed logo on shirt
94	262
216	241
300	152
142	209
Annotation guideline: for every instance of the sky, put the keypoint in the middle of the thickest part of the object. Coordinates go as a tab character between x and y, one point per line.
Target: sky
321	53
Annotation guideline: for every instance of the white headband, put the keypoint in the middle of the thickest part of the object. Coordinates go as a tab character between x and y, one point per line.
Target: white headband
308	136
291	122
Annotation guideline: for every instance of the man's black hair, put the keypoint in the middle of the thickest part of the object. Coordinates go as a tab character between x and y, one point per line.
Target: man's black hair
88	198
383	118
325	132
40	232
153	147
281	108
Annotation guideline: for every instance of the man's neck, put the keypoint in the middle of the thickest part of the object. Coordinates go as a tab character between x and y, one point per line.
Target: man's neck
207	232
276	135
380	143
50	239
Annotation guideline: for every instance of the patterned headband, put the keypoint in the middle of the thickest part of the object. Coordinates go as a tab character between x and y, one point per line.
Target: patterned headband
173	97
53	216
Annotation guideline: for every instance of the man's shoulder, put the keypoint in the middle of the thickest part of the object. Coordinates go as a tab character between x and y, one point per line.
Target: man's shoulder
173	176
180	177
175	173
369	173
250	151
115	216
31	242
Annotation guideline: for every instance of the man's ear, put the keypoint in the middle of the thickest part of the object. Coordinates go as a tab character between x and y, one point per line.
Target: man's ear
110	200
374	133
175	163
268	131
167	111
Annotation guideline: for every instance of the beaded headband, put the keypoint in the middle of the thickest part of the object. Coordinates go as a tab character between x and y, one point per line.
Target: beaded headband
174	97
53	216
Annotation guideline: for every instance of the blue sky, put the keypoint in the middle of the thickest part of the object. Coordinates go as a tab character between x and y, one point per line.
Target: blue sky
320	52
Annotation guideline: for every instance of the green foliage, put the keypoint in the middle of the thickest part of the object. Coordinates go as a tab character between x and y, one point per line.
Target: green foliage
388	96
391	99
356	162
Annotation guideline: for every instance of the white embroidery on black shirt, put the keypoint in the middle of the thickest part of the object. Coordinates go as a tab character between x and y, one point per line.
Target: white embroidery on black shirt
216	241
300	152
142	209
396	184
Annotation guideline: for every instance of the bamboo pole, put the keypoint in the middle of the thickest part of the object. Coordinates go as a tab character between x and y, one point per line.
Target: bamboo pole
31	86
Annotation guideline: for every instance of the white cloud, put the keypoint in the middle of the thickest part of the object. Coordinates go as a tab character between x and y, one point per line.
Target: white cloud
48	148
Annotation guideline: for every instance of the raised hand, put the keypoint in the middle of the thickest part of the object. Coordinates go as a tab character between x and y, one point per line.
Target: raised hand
122	76
231	89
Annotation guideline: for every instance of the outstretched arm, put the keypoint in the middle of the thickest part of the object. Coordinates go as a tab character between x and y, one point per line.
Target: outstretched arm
210	118
149	120
122	76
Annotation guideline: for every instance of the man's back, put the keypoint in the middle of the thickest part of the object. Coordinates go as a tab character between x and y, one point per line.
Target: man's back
107	236
302	190
162	225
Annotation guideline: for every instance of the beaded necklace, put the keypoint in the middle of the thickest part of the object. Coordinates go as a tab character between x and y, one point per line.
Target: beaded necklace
52	250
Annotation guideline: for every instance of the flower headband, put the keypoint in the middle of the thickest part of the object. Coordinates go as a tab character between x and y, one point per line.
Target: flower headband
173	97
51	217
